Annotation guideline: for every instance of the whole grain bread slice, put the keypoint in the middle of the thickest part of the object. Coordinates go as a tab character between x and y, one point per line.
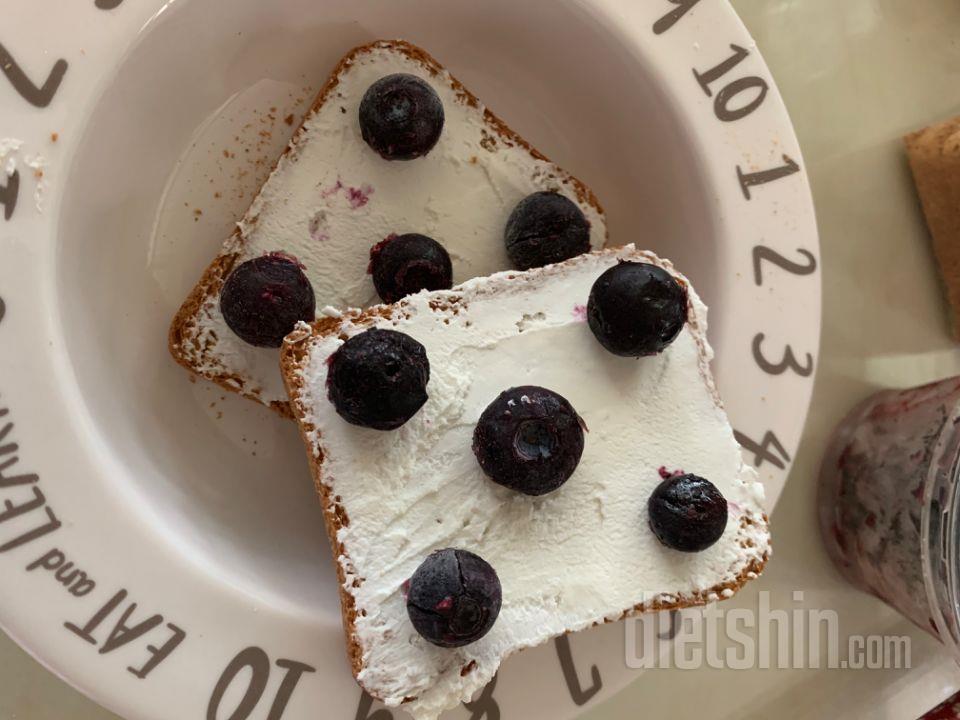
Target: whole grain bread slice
199	339
934	155
530	299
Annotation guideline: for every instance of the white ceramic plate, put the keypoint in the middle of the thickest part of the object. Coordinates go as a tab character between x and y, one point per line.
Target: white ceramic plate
160	547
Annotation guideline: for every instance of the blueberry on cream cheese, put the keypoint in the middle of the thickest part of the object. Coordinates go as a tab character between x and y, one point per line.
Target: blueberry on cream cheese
453	598
529	439
545	228
687	513
402	265
636	309
401	117
264	298
378	379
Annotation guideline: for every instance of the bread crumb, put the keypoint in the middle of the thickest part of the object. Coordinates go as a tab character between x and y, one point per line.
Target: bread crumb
197	211
289	119
54	137
226	153
217	195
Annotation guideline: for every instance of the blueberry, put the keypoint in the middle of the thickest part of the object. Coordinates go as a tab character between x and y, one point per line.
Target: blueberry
453	598
636	309
401	117
529	439
264	298
378	379
687	513
546	228
403	265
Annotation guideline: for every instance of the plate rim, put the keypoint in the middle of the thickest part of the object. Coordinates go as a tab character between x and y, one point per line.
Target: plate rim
114	40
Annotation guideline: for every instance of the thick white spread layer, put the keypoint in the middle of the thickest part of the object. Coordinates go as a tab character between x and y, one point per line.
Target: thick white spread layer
332	198
567	560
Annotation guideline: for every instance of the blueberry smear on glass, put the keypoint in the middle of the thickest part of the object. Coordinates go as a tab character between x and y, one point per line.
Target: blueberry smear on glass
453	598
636	309
403	265
687	513
545	228
401	117
378	379
264	298
529	439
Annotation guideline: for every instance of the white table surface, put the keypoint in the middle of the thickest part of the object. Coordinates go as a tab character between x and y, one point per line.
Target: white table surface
856	76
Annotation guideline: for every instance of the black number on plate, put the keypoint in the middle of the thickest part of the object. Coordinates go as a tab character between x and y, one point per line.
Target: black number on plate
38	96
723	100
788	362
671	632
485	706
749	180
578	694
9	194
259	664
366	705
108	4
762	252
761	450
673	17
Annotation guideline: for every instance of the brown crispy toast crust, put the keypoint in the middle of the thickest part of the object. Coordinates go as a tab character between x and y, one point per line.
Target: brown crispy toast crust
295	354
184	344
934	155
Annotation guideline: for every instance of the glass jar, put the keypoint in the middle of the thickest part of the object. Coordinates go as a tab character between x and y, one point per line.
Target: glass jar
888	503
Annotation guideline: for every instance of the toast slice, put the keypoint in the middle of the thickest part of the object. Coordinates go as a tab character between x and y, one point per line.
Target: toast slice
330	198
579	556
934	155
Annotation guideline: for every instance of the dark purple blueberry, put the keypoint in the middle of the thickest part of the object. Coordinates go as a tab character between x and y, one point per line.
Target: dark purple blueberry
401	117
453	598
378	379
636	309
546	228
687	513
403	265
529	439
264	298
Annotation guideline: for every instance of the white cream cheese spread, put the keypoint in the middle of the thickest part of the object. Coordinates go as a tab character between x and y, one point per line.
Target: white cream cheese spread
567	560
